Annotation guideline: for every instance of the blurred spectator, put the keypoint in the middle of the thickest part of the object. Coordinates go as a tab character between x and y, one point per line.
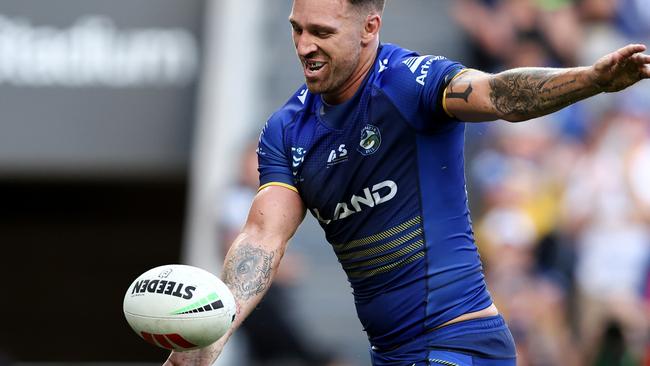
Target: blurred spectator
520	210
638	174
501	29
633	18
629	17
613	240
272	336
612	350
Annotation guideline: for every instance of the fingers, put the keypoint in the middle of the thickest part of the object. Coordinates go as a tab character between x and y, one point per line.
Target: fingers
640	59
645	72
643	63
630	50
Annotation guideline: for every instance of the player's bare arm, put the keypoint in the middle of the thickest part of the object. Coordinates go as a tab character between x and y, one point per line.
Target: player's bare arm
252	261
525	93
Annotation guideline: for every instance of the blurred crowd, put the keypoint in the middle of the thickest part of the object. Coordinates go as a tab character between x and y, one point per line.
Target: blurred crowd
562	203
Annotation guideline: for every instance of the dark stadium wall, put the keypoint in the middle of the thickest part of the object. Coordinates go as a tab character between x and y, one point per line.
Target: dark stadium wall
70	251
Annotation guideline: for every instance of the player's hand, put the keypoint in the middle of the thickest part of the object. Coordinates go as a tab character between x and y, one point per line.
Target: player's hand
622	68
200	357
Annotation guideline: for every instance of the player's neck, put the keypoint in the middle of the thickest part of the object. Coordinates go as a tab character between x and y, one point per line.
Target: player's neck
350	87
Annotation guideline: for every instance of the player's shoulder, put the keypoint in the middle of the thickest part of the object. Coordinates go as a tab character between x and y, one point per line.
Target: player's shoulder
289	112
413	83
277	123
403	66
296	104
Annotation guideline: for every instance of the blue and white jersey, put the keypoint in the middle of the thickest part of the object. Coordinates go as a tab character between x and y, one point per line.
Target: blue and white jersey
384	175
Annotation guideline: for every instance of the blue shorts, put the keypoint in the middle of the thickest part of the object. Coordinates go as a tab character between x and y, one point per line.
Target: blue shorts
476	342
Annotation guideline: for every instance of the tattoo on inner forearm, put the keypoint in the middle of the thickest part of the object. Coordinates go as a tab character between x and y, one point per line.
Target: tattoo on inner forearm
247	272
534	92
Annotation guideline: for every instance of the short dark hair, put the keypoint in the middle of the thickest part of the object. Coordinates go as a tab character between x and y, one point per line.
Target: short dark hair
377	5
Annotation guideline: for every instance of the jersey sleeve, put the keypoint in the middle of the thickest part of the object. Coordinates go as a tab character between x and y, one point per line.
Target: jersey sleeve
416	86
433	98
274	166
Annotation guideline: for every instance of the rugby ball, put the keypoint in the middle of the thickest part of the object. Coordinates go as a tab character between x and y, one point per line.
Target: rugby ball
179	307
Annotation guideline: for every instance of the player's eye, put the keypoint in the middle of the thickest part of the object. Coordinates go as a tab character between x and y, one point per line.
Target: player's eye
296	29
321	33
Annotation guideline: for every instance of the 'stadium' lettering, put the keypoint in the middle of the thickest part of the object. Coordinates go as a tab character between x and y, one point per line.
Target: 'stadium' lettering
94	52
164	287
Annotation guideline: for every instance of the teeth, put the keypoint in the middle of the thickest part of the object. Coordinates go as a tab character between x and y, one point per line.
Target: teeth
313	66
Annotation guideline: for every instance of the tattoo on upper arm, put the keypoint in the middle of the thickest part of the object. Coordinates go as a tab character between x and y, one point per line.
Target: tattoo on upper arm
247	272
533	92
451	94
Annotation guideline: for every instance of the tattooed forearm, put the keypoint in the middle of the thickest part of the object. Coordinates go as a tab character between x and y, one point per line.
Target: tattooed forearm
532	92
247	271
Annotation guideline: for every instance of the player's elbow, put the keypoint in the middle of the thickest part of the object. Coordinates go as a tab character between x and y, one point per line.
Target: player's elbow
494	118
514	118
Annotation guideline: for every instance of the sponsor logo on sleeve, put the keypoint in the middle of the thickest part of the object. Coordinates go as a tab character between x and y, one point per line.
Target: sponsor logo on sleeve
302	96
414	63
383	65
297	158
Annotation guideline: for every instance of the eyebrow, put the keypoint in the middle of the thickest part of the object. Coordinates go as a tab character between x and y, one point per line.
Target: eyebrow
314	27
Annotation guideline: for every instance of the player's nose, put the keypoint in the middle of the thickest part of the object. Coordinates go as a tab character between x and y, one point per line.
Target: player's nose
305	45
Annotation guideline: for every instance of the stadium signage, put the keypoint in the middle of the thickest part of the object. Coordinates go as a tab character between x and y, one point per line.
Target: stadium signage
94	88
93	51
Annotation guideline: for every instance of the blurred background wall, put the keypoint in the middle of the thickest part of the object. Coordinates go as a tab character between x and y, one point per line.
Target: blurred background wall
98	106
126	138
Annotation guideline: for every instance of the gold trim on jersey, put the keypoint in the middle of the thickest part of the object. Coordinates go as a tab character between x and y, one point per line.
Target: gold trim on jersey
279	184
386	268
338	248
444	93
384	256
382	248
388	258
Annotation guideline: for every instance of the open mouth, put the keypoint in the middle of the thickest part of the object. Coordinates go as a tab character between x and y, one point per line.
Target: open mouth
315	65
314	69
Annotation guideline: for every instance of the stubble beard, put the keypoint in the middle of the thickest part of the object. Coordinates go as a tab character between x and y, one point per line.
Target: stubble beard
335	80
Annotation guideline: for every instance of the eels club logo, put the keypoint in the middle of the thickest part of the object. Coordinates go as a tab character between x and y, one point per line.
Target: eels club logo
370	140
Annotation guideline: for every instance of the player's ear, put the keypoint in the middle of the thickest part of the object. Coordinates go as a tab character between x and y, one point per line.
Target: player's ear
371	28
